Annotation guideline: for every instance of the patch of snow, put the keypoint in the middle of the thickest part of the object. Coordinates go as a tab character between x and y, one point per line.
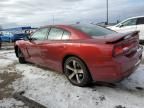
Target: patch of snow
11	56
1	81
136	79
5	63
8	55
54	90
6	51
10	103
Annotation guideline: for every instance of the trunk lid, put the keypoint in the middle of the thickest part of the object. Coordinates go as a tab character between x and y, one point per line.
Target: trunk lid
123	44
115	38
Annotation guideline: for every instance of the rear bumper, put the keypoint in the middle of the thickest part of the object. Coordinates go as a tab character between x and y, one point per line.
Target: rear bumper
117	68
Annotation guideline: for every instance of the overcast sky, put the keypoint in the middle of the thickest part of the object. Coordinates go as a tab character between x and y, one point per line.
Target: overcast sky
41	12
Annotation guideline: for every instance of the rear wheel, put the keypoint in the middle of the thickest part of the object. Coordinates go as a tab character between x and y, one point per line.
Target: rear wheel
21	57
76	71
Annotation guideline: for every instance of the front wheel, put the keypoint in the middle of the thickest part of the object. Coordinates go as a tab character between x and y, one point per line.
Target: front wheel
21	57
77	72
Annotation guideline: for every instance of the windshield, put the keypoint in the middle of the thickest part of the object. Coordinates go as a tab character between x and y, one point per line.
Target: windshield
94	30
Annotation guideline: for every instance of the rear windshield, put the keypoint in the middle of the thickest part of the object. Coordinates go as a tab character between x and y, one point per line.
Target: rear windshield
93	30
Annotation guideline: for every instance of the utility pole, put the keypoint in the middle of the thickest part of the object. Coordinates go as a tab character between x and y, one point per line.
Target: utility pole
107	13
0	27
53	19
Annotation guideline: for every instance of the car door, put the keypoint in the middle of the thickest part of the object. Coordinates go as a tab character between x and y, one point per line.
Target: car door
140	27
127	26
33	46
52	51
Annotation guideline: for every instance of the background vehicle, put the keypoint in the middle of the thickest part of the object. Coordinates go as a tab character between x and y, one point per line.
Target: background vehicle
20	36
6	37
83	52
0	40
131	24
14	34
13	37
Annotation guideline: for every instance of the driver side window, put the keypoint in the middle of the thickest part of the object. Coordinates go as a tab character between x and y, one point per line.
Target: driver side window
129	22
40	34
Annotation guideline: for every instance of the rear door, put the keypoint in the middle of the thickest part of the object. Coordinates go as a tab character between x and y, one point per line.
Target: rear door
52	51
140	27
33	46
127	26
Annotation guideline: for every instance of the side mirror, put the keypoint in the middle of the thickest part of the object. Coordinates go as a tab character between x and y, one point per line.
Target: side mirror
31	39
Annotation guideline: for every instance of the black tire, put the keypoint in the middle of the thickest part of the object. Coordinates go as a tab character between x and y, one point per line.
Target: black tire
0	45
82	76
141	42
21	57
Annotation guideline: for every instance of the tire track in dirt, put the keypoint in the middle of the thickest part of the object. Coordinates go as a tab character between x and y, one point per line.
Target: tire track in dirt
8	74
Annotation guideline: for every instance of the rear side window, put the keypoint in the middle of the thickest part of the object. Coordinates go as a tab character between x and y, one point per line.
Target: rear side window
93	30
140	21
58	34
66	35
55	34
129	22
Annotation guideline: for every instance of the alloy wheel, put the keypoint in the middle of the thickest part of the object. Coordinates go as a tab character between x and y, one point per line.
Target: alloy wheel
74	71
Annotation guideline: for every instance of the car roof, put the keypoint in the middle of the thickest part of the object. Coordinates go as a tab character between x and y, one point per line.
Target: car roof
66	27
129	19
135	17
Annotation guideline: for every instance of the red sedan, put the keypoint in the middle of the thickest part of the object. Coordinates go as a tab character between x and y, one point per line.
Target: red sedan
84	53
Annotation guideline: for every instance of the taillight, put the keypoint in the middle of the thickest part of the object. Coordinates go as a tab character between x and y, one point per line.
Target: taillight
127	45
120	50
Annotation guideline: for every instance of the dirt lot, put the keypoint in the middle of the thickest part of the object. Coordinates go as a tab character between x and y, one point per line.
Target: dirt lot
54	91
